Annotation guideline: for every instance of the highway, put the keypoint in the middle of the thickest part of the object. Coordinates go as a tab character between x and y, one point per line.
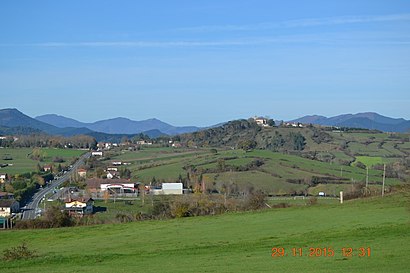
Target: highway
32	207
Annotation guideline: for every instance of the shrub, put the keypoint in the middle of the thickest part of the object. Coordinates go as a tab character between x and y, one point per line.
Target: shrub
255	201
312	201
123	218
19	252
360	165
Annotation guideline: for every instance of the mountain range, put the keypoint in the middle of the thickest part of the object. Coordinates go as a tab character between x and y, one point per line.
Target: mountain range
368	120
12	121
117	125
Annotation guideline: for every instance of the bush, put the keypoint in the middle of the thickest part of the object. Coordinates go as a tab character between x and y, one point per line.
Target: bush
255	201
312	201
161	209
19	252
360	165
123	218
53	218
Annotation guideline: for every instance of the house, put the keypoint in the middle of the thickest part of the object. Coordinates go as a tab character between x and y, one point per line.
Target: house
294	124
47	168
3	177
116	163
82	172
6	195
172	188
114	169
176	145
113	175
143	142
261	121
8	206
97	153
80	206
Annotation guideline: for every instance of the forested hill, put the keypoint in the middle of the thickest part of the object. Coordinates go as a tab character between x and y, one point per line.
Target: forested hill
246	134
312	141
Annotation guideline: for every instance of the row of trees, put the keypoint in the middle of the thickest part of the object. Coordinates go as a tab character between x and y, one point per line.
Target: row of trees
23	186
204	204
42	140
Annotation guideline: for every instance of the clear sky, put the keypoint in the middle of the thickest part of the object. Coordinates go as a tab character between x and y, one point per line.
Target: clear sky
203	62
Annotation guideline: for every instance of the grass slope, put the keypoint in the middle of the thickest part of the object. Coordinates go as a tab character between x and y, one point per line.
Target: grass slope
273	177
22	163
237	242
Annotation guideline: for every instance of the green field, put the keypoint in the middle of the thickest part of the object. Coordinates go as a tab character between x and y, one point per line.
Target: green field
370	161
234	242
278	175
22	163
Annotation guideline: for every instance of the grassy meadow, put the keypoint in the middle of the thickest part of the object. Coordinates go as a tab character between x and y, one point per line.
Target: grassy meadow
278	175
22	163
233	242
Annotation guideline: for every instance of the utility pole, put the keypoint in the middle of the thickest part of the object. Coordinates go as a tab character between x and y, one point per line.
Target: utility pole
341	171
367	176
384	178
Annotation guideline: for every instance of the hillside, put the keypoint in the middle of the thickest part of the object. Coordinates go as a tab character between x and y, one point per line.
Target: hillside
278	160
247	134
13	118
13	121
216	244
369	120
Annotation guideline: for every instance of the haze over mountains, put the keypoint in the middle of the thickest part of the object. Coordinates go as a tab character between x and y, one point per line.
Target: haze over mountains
118	125
12	121
368	120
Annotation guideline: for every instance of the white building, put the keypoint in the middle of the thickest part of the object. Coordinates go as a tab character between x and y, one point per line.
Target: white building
3	177
8	206
97	153
172	188
119	187
80	206
261	121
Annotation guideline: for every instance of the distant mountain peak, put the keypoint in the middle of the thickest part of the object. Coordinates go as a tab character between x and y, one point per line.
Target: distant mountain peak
366	120
118	125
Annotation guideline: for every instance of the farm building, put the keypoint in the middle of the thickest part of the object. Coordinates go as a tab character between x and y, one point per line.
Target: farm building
172	188
79	207
97	153
3	177
113	175
115	169
119	187
82	172
8	206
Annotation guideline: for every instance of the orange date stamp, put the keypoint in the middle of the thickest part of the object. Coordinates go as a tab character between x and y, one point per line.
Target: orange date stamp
346	252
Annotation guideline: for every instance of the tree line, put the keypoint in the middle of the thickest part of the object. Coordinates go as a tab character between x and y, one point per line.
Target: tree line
42	140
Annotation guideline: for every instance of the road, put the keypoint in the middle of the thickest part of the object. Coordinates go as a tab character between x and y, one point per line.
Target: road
32	207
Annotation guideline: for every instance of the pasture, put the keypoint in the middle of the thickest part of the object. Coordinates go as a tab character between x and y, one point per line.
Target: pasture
280	173
22	163
233	242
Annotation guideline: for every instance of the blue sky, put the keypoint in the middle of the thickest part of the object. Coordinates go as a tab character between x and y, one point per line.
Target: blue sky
204	62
